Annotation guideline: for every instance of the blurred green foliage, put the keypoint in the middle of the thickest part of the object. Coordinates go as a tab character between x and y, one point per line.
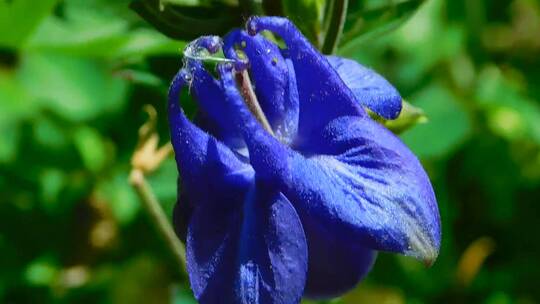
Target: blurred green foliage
75	74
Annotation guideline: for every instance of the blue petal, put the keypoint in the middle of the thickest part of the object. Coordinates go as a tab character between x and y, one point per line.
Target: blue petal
248	250
267	156
323	95
363	184
351	188
273	78
206	165
207	92
334	266
209	96
370	88
357	180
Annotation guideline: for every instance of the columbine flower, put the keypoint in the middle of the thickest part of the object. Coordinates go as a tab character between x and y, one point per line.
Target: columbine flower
290	189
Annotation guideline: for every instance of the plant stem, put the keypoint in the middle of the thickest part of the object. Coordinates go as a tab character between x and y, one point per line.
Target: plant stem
273	7
251	100
158	218
249	7
338	14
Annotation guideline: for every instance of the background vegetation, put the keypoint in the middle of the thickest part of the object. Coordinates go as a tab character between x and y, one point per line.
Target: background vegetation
75	75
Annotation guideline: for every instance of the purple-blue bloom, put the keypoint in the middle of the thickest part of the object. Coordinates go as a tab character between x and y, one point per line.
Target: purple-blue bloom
302	206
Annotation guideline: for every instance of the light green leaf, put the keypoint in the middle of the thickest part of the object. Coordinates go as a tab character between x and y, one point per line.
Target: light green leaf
15	101
120	196
86	35
372	19
308	16
42	271
448	124
408	118
14	106
49	134
90	33
8	141
52	182
19	19
145	42
73	88
510	113
182	295
92	148
163	182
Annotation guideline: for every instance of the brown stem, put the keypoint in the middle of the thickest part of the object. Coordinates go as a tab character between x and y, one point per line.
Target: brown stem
158	218
251	100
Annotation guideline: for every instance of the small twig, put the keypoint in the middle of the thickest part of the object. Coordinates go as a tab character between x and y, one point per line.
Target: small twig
338	14
158	217
146	158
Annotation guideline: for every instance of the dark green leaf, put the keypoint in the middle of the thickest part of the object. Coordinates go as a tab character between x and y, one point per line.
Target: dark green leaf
188	23
373	20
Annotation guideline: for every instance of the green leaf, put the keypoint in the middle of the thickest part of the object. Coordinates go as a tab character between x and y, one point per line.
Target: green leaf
163	182
49	134
448	125
19	19
91	33
14	106
52	181
92	148
144	42
8	141
15	103
182	295
120	195
82	35
308	16
510	113
374	19
42	271
425	42
76	89
188	23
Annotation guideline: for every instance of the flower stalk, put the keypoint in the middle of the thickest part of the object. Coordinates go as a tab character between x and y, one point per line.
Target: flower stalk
158	218
338	14
146	159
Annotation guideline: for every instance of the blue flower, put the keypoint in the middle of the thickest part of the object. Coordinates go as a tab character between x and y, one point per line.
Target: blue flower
296	201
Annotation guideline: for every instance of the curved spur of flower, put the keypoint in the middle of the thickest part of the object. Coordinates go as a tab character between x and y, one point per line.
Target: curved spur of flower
342	181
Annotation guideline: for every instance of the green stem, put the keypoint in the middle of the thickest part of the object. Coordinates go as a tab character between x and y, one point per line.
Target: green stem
159	218
249	7
338	14
273	7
